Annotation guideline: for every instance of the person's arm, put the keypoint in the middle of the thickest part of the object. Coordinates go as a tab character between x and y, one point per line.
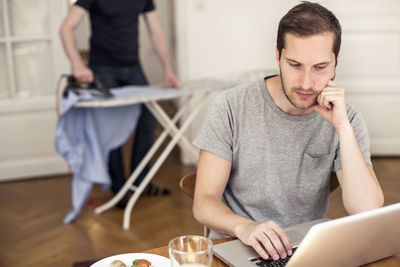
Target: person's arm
212	177
360	188
67	34
160	46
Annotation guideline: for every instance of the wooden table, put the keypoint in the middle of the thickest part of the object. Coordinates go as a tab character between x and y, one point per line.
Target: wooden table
393	261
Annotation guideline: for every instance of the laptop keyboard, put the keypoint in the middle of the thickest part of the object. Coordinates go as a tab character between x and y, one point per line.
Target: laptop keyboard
270	263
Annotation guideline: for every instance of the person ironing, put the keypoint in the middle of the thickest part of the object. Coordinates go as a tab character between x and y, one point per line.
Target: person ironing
114	61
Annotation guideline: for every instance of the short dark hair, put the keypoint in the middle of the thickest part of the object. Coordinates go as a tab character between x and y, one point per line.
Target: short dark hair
307	19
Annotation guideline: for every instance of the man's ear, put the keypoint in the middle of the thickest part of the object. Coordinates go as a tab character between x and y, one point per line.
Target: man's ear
277	55
334	76
336	61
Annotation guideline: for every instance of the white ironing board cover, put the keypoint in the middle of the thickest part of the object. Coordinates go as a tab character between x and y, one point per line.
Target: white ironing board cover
128	95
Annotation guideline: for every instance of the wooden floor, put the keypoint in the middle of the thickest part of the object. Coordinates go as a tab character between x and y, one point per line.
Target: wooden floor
31	213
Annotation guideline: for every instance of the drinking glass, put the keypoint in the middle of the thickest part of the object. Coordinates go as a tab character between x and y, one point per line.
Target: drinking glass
190	251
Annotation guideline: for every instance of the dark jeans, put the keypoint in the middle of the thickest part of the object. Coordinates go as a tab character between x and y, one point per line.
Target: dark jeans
115	77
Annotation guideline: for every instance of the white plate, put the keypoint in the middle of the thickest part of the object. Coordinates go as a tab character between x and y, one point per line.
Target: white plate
156	260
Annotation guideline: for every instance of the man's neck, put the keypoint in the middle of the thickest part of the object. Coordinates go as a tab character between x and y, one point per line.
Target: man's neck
275	89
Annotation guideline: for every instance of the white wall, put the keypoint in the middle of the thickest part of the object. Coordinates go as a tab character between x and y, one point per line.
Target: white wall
225	38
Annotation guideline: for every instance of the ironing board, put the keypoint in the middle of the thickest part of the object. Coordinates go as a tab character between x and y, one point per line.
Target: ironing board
193	95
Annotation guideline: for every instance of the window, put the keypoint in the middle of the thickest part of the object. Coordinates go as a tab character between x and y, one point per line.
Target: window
28	47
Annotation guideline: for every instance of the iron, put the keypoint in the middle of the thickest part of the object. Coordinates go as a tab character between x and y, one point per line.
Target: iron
95	88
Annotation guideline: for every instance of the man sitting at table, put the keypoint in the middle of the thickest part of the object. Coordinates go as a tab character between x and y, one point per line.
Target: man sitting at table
268	148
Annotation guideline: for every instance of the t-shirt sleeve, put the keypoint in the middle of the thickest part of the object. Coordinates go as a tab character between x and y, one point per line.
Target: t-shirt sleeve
149	6
86	4
361	133
216	132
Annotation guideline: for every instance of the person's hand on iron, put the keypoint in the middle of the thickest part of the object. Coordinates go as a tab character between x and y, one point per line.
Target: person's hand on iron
266	238
83	74
331	105
170	80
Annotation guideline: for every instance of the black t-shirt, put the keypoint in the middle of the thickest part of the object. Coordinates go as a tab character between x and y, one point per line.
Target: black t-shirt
114	23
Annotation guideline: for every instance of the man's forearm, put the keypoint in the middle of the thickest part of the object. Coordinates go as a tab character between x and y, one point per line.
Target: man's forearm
69	44
67	29
160	47
157	38
217	216
360	188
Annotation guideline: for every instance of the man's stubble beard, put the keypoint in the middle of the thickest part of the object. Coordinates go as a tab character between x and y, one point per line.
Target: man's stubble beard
294	90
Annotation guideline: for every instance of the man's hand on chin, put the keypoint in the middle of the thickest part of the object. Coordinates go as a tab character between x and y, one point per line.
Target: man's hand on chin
331	105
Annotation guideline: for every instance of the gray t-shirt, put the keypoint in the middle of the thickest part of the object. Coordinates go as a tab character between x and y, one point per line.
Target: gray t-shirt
281	163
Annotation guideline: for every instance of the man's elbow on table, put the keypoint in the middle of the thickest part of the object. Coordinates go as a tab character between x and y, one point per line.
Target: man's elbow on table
376	202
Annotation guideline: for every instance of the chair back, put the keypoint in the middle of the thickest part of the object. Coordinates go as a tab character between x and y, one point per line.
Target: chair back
334	183
187	185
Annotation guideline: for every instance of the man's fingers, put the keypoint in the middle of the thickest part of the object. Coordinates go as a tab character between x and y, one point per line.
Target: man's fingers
327	102
84	79
328	97
267	239
173	82
176	84
268	246
284	239
331	99
85	76
260	250
89	78
277	251
322	102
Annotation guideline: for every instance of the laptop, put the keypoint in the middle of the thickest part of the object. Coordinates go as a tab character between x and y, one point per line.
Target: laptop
349	241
